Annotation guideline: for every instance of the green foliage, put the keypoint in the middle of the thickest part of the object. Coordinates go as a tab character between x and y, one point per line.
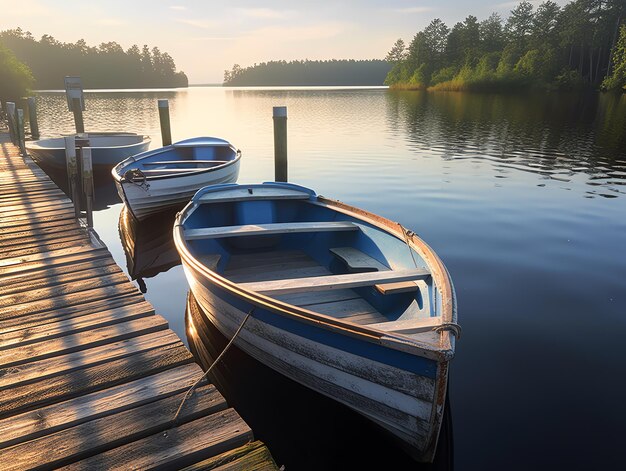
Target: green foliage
104	66
15	77
397	52
617	79
302	73
544	47
444	75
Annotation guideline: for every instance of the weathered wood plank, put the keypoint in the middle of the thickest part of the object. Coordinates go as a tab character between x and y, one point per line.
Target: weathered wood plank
176	447
37	370
109	432
68	312
268	229
81	341
64	289
77	241
26	282
20	220
59	302
49	259
253	456
73	326
86	380
24	242
325	283
35	210
49	204
50	419
40	226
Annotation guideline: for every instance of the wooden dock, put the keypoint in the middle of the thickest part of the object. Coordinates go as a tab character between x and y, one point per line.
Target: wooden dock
90	376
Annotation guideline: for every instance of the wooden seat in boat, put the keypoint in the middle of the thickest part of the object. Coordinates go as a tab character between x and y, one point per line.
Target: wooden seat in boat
257	194
331	282
343	304
359	262
268	229
185	162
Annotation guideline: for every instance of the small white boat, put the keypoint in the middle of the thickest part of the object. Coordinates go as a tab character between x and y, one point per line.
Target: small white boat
107	149
345	302
169	176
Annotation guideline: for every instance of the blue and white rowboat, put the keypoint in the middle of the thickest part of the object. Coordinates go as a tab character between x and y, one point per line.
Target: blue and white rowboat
167	177
343	301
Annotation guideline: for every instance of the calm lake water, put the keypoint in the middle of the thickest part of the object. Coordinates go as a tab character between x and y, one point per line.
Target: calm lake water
524	199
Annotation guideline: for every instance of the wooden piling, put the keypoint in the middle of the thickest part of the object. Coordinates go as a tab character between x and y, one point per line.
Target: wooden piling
280	143
87	170
32	118
164	119
72	172
77	109
21	139
11	120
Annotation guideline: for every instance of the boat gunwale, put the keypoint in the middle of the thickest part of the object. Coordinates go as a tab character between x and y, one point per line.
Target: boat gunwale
444	352
118	177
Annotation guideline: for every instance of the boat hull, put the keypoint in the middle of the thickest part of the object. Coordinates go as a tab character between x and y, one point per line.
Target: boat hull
399	391
102	157
155	195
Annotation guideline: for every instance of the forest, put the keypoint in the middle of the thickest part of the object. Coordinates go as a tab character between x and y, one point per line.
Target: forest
580	45
307	72
105	66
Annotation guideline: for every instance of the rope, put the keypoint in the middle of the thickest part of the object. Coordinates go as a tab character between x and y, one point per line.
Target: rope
136	177
219	357
406	240
451	326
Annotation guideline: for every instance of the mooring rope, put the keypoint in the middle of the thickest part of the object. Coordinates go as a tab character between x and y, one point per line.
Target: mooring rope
451	326
406	234
219	357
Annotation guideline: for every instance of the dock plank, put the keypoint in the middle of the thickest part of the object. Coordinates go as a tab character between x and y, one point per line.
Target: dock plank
88	372
73	326
86	380
50	419
177	447
103	434
80	341
68	312
37	370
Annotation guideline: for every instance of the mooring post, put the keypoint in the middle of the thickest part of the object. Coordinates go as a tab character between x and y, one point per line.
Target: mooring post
88	183
280	143
11	120
72	172
21	139
77	109
164	118
32	118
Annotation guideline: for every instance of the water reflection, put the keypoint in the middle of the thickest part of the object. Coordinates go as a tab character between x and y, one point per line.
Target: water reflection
105	193
303	429
560	137
148	245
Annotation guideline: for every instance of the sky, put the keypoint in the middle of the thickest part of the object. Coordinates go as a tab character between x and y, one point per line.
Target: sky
207	37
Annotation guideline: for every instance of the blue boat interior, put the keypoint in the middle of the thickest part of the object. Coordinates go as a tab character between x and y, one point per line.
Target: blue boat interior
188	156
309	255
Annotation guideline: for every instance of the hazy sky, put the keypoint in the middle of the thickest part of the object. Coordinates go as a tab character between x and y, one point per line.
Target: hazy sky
206	37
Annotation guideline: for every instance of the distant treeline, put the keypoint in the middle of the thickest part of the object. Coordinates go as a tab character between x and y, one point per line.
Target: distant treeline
306	72
582	44
104	66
